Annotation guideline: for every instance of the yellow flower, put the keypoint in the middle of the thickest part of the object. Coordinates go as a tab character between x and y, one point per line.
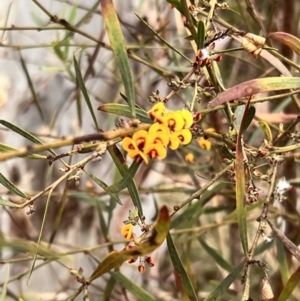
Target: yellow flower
155	150
188	118
127	231
132	150
174	142
140	138
204	143
157	127
174	121
157	110
189	158
185	136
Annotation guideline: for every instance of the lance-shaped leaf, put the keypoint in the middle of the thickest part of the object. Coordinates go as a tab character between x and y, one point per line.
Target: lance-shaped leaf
180	271
11	187
132	287
200	34
126	180
83	89
114	196
124	110
240	186
255	86
123	169
116	258
287	39
291	247
224	285
117	42
290	286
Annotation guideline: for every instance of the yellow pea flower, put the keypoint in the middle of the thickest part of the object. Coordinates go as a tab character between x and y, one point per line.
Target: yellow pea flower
157	110
155	150
188	118
132	150
185	136
174	121
204	143
127	231
140	138
174	142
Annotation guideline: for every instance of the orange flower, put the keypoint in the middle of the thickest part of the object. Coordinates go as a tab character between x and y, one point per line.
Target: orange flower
133	151
155	150
174	121
189	158
139	138
204	143
127	231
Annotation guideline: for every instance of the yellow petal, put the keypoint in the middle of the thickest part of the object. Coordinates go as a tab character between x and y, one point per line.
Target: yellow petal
174	121
185	136
204	143
156	150
188	118
157	110
127	231
174	142
128	144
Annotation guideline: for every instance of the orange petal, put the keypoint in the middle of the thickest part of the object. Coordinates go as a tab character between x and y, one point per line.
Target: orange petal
128	144
127	231
139	138
189	158
204	143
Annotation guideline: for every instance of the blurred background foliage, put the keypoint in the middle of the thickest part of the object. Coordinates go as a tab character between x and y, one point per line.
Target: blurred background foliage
73	69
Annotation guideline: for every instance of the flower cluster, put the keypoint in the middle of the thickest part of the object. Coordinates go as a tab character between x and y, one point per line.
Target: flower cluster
127	232
170	129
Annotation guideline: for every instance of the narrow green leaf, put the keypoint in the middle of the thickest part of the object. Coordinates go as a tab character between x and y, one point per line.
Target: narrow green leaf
109	288
200	34
282	261
112	194
31	87
21	132
116	258
82	87
224	285
240	185
124	110
180	271
11	187
290	286
8	204
126	180
40	236
117	42
5	148
215	255
103	225
132	287
123	169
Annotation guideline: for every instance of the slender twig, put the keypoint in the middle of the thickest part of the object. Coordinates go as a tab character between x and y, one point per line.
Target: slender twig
197	194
